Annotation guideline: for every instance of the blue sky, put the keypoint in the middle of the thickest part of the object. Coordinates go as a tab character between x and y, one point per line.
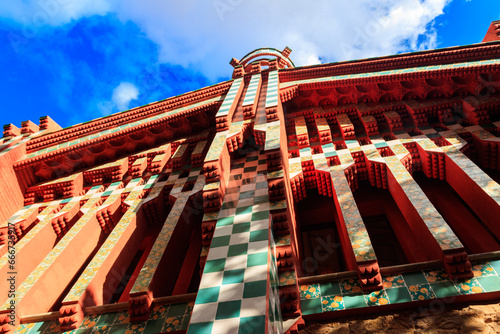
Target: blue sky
76	61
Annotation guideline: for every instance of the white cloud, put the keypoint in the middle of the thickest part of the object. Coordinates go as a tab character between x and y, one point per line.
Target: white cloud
205	35
123	94
34	14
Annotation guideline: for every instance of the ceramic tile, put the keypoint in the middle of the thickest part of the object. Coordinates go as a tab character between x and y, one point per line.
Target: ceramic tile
421	292
240	249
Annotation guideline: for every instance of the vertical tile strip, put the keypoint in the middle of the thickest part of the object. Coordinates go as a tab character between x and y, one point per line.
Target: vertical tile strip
233	291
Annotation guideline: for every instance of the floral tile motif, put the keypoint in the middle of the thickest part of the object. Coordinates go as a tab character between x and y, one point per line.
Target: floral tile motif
277	205
398	149
437	275
309	291
102	329
394	281
159	312
350	286
275	175
122	318
300	126
177	320
376	298
469	286
421	292
211	186
483	269
483	134
209	216
90	321
282	240
173	324
135	328
332	303
52	327
288	278
24	328
189	308
216	147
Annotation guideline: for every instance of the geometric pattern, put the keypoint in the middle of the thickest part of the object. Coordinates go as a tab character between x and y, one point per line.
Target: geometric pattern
233	291
163	318
398	288
272	90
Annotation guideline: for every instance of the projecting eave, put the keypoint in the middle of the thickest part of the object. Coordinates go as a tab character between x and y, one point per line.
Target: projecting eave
450	55
172	104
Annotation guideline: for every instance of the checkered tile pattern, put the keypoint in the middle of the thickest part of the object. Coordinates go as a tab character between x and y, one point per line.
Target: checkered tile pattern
272	90
275	323
230	98
252	90
232	295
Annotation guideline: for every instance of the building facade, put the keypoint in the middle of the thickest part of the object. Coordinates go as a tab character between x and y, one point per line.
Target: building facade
283	196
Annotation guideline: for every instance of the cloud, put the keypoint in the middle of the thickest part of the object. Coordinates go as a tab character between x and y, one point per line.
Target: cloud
78	51
205	35
34	14
123	94
121	97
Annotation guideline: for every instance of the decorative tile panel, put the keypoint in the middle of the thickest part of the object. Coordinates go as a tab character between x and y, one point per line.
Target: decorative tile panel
164	318
399	288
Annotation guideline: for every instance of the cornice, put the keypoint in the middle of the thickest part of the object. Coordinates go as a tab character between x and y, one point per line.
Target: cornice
106	147
424	58
132	115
